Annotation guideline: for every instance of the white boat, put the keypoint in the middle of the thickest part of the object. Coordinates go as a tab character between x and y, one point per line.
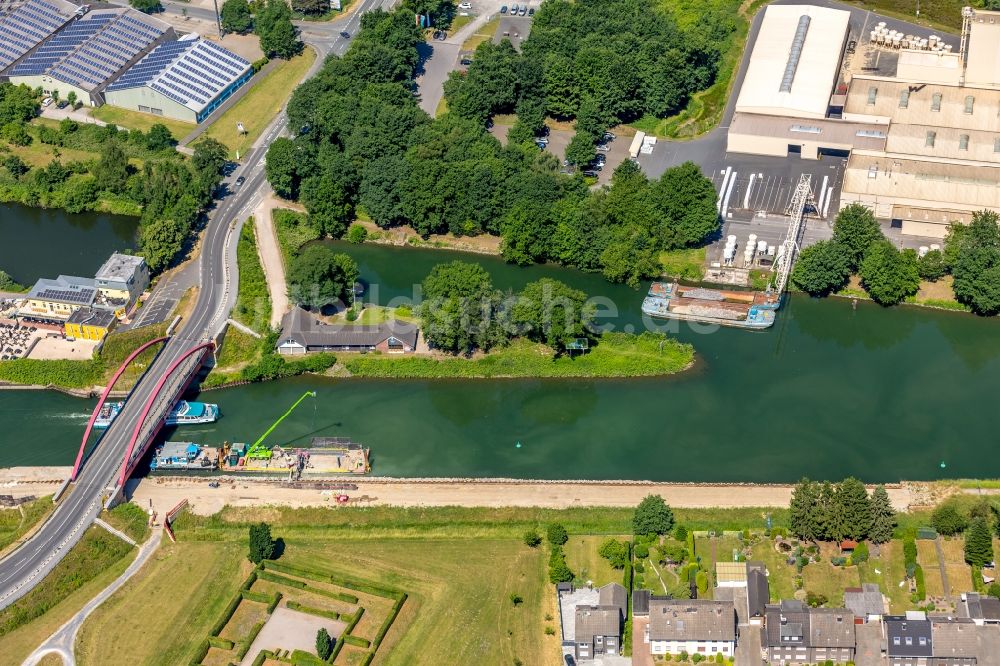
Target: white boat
183	413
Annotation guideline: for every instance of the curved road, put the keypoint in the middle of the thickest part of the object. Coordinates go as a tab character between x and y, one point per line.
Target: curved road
23	568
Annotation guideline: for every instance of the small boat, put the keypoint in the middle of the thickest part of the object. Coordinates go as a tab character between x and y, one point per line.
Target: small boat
184	456
738	309
183	413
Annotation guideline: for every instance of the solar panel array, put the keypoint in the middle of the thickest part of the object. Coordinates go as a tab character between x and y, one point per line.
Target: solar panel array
27	26
83	296
92	50
190	72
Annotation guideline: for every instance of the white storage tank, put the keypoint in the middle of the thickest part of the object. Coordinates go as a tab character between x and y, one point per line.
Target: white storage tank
935	246
761	247
770	250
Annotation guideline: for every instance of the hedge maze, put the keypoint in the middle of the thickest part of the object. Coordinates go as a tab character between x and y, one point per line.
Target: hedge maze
367	610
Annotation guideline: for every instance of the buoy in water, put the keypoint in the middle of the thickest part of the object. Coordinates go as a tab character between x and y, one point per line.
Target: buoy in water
943	465
518	445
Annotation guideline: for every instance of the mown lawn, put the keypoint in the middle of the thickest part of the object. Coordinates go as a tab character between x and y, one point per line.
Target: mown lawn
141	121
261	104
587	564
928	560
131	519
687	263
167	608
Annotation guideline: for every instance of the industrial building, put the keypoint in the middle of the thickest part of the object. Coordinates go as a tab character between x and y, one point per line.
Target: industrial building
186	79
85	56
109	54
23	28
914	117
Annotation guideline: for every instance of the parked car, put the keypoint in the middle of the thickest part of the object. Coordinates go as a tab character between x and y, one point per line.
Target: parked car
213	484
603	147
523	10
609	137
600	159
503	10
46	101
465	5
590	173
544	131
531	12
541	144
542	139
465	62
513	9
345	34
570	661
440	35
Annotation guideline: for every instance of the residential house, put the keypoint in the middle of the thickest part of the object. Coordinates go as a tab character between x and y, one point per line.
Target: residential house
980	609
694	626
909	639
302	333
89	324
866	602
122	279
745	584
641	600
959	642
598	628
797	634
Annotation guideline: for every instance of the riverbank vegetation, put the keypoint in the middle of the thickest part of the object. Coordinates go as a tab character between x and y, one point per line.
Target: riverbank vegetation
615	355
971	256
451	175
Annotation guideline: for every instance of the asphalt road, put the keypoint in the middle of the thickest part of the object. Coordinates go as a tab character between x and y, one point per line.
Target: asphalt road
23	568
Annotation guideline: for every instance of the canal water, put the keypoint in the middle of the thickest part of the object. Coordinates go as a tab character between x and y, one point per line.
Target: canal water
38	242
884	394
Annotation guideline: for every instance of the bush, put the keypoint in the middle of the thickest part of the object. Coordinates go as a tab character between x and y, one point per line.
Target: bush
357	234
532	538
641	551
681	533
860	554
220	643
615	552
557	535
357	641
516	599
815	600
947	520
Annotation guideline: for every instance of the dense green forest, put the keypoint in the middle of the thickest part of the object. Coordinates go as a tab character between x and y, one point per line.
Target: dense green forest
363	142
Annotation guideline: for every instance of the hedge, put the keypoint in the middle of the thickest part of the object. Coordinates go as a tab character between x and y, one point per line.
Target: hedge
274	602
202	652
357	641
300	658
354	620
259	597
261	657
226	615
396	607
220	643
337	647
364	587
296	606
367	659
918	575
247	640
339	596
281	580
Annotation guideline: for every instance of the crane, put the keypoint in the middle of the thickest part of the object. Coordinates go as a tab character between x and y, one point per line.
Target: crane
257	450
796	223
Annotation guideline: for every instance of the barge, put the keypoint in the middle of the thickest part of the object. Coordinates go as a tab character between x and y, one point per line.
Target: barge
184	456
738	309
183	413
324	456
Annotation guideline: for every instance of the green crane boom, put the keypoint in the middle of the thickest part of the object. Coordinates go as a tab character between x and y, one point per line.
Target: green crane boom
255	447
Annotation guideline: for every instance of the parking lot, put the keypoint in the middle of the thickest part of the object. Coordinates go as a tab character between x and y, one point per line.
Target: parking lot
514	28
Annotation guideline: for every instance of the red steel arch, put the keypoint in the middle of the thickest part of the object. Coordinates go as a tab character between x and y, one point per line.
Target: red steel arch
149	405
104	397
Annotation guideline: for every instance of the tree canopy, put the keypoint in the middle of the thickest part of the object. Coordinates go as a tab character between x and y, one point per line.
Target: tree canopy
888	275
458	307
235	16
261	543
978	543
822	268
273	24
855	229
975	253
318	277
652	516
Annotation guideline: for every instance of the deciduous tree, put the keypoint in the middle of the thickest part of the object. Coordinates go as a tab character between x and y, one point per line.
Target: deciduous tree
652	516
319	277
855	229
457	312
888	275
822	268
976	267
235	15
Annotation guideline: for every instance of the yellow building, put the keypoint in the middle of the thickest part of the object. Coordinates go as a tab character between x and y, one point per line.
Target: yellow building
89	324
53	301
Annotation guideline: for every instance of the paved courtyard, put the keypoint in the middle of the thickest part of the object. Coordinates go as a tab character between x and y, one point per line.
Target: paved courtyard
291	630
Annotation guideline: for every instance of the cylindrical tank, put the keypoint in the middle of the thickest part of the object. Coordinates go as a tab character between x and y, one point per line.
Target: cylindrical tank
728	253
922	251
874	35
770	250
752	242
731	239
935	246
761	247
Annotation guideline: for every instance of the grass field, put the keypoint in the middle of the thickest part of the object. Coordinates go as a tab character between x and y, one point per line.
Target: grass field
942	14
16	522
583	560
959	573
928	560
89	567
142	121
688	263
184	587
131	519
261	104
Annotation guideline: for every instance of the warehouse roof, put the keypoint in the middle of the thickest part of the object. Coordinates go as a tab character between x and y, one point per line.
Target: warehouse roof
190	71
94	49
984	49
794	62
29	25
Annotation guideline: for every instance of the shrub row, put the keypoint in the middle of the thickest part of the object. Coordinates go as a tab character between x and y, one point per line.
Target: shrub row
233	605
274	602
364	587
201	653
281	580
339	596
300	658
248	640
220	643
918	575
294	605
390	618
261	657
357	641
259	597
